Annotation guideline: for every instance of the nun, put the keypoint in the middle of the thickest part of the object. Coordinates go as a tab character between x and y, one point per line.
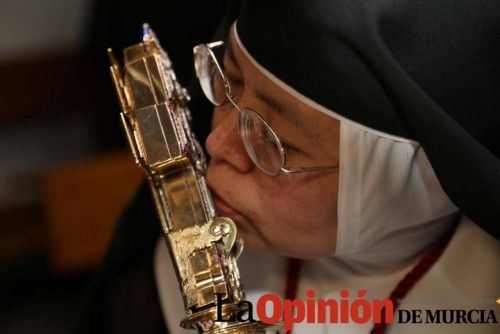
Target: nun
353	144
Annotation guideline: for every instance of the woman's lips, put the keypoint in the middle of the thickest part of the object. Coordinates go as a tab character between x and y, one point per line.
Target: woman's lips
223	208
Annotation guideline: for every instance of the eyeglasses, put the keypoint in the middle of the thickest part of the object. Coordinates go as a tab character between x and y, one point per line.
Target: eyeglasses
261	143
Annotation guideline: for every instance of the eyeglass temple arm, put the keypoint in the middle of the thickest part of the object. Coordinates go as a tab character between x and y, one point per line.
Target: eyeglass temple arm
215	44
209	45
288	170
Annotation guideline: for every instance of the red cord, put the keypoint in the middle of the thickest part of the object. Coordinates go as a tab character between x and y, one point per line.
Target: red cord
409	281
292	280
401	290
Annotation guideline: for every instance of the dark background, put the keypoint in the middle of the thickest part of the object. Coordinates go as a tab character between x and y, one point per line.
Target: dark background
65	173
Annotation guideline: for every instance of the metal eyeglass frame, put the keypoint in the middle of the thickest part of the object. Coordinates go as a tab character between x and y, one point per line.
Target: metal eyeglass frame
285	168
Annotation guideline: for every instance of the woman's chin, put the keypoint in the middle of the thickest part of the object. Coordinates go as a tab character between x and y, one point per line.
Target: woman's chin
253	243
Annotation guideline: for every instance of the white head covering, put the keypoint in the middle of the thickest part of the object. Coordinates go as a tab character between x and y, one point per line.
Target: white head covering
389	195
389	198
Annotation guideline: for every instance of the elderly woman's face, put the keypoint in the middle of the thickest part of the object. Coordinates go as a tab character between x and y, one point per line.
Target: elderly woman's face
295	215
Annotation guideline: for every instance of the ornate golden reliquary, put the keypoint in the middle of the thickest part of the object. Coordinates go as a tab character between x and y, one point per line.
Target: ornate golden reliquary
203	247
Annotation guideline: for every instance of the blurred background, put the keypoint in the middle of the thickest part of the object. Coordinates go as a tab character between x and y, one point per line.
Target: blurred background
65	173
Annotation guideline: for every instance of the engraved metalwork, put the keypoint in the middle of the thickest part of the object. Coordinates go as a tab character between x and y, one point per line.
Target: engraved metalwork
203	247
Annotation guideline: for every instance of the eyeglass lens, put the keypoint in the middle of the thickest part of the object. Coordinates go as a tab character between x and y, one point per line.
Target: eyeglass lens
211	80
260	141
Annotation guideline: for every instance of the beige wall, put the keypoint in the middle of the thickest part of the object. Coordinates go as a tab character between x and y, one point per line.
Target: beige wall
41	26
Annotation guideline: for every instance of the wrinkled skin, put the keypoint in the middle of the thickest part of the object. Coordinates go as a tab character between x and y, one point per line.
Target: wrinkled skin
293	215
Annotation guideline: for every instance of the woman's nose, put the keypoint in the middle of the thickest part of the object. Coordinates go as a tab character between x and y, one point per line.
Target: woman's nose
224	143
